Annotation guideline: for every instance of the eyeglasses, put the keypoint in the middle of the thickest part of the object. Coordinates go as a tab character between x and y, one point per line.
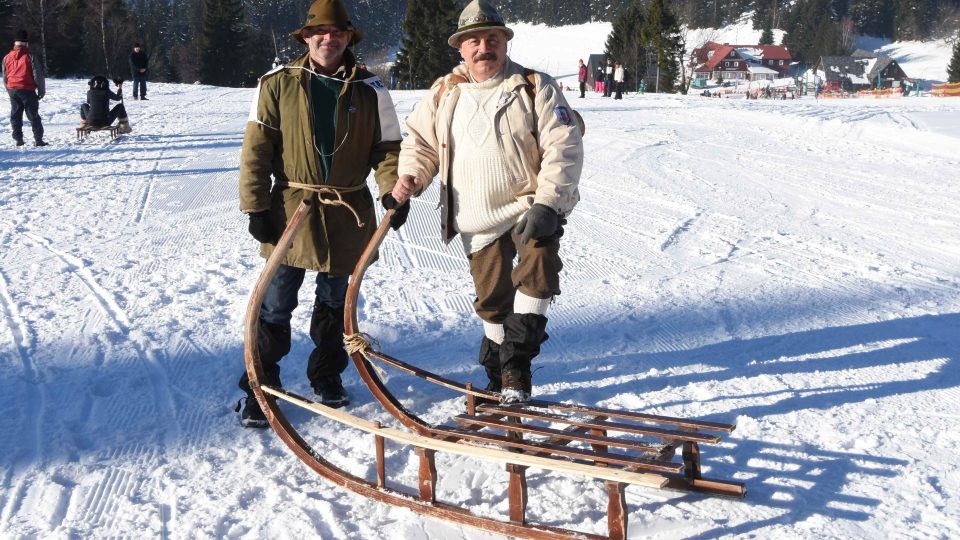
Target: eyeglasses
328	31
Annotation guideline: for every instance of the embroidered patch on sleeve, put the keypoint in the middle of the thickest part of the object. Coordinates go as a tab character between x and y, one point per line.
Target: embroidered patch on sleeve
563	115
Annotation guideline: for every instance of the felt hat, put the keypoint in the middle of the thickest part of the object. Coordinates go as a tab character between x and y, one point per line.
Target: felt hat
22	36
478	15
331	12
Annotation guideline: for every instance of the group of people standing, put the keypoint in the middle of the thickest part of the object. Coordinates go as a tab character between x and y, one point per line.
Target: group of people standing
25	81
508	153
609	79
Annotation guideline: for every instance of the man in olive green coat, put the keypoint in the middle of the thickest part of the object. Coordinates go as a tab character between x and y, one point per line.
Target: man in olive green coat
317	127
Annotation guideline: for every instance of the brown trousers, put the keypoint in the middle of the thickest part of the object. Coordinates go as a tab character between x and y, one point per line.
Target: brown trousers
496	279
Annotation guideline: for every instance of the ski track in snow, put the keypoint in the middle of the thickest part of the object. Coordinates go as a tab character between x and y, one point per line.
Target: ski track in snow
789	266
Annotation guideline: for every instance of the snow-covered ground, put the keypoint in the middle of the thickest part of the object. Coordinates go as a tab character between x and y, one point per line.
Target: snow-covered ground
793	266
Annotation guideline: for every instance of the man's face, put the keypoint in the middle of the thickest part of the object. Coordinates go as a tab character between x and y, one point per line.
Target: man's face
136	49
327	44
485	52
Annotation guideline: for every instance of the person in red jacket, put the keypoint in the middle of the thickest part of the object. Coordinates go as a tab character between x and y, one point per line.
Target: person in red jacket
24	80
582	77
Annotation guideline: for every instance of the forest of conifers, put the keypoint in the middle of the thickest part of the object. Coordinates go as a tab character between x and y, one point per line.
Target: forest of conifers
232	42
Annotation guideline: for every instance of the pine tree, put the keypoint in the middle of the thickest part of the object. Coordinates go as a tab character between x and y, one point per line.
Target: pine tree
766	38
625	44
224	42
953	69
873	17
811	31
661	35
425	55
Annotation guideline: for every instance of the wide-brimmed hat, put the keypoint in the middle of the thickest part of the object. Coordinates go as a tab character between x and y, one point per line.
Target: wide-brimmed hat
478	15
331	12
22	36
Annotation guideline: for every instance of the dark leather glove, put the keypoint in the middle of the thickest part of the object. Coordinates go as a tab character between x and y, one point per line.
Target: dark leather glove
261	227
540	223
400	211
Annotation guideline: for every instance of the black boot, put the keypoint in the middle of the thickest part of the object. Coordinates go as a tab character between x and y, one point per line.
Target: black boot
251	416
328	359
523	334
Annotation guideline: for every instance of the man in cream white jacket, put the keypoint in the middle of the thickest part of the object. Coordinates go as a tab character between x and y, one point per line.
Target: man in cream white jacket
509	154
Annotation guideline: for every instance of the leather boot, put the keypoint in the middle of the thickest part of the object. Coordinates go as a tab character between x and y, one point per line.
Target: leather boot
523	334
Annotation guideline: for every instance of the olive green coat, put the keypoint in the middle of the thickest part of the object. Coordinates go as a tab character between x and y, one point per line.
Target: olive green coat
278	147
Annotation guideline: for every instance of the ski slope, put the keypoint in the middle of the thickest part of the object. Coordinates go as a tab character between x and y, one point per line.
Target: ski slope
793	266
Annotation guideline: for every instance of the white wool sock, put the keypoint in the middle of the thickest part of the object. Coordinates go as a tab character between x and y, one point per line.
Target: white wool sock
528	304
494	332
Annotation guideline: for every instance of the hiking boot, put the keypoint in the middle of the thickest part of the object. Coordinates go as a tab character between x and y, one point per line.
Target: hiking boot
144	98
40	143
331	392
523	334
19	142
513	390
252	415
124	127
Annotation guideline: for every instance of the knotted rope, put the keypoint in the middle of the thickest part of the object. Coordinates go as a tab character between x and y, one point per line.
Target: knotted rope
363	343
336	191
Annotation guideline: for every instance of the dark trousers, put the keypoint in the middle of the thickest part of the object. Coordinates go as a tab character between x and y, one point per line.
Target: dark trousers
619	94
276	313
496	279
118	111
608	86
25	101
140	85
583	88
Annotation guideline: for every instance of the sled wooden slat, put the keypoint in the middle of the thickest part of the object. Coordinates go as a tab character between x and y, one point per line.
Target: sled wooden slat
539	449
639	417
492	422
496	454
666	434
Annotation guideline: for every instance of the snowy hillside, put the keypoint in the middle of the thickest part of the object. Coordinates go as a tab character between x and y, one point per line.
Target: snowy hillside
791	266
556	49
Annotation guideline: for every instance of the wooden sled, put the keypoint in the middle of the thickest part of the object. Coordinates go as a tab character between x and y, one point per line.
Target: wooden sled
643	452
83	132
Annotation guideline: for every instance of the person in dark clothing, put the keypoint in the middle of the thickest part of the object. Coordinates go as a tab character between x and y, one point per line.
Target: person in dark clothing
24	79
139	71
582	77
96	112
608	78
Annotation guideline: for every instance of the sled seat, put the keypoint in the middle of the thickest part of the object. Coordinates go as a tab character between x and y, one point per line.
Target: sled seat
83	132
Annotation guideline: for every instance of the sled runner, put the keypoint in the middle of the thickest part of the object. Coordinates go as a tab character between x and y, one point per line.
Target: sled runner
619	447
83	132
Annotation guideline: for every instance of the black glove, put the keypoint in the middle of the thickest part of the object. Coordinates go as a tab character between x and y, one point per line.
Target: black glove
540	223
400	211
261	227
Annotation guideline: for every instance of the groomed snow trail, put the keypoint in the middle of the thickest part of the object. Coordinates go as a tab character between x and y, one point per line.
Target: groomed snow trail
792	266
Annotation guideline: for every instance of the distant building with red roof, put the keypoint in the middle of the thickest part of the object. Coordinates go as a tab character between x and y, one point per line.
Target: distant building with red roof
715	61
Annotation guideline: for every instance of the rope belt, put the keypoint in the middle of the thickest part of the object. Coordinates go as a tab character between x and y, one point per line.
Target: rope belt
336	191
363	343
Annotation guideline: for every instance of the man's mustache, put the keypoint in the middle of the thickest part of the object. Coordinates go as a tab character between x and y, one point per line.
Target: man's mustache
484	56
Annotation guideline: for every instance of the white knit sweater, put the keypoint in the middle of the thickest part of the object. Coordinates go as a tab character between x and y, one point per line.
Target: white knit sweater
484	207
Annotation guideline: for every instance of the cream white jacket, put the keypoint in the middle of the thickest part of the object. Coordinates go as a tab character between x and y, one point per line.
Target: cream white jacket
541	144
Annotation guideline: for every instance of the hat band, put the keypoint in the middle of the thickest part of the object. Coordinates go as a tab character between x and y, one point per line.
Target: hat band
490	24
